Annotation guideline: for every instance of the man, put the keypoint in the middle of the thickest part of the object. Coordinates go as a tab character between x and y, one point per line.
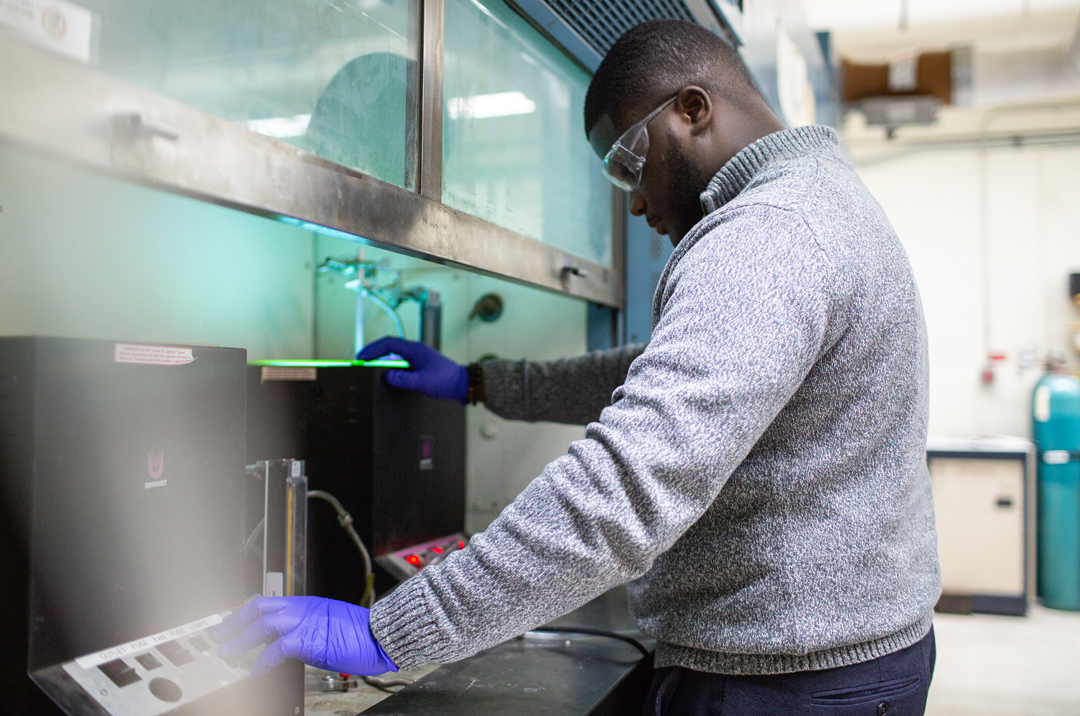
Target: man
756	472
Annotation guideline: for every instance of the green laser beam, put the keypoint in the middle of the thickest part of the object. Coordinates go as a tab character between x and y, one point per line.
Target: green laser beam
379	363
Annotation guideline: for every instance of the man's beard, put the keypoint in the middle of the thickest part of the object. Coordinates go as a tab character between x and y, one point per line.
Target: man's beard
687	182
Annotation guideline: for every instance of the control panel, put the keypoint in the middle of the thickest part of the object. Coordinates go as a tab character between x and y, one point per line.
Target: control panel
409	561
159	673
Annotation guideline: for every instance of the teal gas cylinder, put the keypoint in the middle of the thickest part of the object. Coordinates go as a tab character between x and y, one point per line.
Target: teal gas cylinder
1056	413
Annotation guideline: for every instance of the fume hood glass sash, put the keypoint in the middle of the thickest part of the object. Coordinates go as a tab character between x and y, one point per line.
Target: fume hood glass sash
514	151
248	105
330	77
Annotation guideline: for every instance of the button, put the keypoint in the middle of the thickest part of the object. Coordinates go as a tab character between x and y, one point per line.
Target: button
148	661
175	653
166	690
883	708
119	672
199	643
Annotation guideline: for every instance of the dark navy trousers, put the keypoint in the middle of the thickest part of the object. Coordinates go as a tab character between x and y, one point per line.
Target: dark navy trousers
893	685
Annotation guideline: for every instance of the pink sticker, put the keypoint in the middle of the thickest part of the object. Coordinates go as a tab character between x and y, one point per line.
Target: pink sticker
151	355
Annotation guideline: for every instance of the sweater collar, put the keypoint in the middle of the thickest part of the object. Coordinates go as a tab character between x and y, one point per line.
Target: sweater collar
740	169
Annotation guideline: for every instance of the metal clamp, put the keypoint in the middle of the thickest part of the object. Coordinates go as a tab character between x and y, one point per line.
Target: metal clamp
568	271
132	125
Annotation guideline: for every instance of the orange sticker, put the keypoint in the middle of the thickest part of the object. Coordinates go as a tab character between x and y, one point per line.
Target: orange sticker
286	372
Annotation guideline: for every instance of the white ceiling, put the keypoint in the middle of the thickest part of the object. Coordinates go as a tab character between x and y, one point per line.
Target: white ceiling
849	14
868	29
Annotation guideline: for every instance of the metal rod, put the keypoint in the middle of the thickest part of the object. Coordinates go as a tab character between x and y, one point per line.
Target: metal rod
413	94
431	320
264	468
358	335
1013	140
431	98
618	263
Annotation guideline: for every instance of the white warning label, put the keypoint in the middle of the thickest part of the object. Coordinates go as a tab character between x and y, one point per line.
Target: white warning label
91	660
151	355
55	24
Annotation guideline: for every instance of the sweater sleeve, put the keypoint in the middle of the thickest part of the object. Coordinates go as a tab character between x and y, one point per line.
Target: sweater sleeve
743	317
569	390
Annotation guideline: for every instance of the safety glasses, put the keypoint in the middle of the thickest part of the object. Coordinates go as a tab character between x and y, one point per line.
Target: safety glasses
626	158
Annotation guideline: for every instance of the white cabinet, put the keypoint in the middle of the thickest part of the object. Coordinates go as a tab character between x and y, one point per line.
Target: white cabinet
983	501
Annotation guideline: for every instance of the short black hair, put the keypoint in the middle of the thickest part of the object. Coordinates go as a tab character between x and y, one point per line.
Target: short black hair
654	60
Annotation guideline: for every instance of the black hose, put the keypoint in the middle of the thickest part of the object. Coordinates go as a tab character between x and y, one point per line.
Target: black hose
597	632
385	683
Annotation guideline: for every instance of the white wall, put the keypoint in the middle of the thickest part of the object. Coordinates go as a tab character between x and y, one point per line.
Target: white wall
504	456
1031	217
88	257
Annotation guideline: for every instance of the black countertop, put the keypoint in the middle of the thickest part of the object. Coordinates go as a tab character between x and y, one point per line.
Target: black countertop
540	673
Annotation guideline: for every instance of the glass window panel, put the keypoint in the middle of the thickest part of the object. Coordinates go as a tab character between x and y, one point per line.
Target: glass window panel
514	147
329	76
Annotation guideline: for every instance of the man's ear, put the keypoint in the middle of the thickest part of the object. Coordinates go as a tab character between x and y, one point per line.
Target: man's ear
695	107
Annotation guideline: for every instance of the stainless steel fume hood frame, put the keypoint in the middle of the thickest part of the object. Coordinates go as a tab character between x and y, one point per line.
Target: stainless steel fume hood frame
113	127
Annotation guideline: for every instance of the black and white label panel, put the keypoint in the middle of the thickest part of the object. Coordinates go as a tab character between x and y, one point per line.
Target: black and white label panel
159	673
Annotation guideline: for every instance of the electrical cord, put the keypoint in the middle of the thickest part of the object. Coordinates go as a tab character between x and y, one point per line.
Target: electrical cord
597	632
386	307
346	522
384	684
250	541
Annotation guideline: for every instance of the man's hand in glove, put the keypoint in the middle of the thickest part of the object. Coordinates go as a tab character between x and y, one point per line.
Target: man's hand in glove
321	632
430	373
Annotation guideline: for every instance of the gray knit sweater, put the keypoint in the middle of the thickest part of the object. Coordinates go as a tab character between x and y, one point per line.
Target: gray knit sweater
756	472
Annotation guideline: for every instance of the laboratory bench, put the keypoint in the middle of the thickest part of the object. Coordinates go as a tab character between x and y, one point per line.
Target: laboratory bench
537	673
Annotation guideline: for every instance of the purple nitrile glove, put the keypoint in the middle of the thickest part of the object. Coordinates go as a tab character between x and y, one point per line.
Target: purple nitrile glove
431	373
321	632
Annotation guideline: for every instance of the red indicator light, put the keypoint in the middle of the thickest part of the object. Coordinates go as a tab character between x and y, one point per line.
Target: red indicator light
413	560
437	550
461	544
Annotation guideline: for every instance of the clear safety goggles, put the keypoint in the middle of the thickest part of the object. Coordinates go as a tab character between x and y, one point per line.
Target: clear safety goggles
626	158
